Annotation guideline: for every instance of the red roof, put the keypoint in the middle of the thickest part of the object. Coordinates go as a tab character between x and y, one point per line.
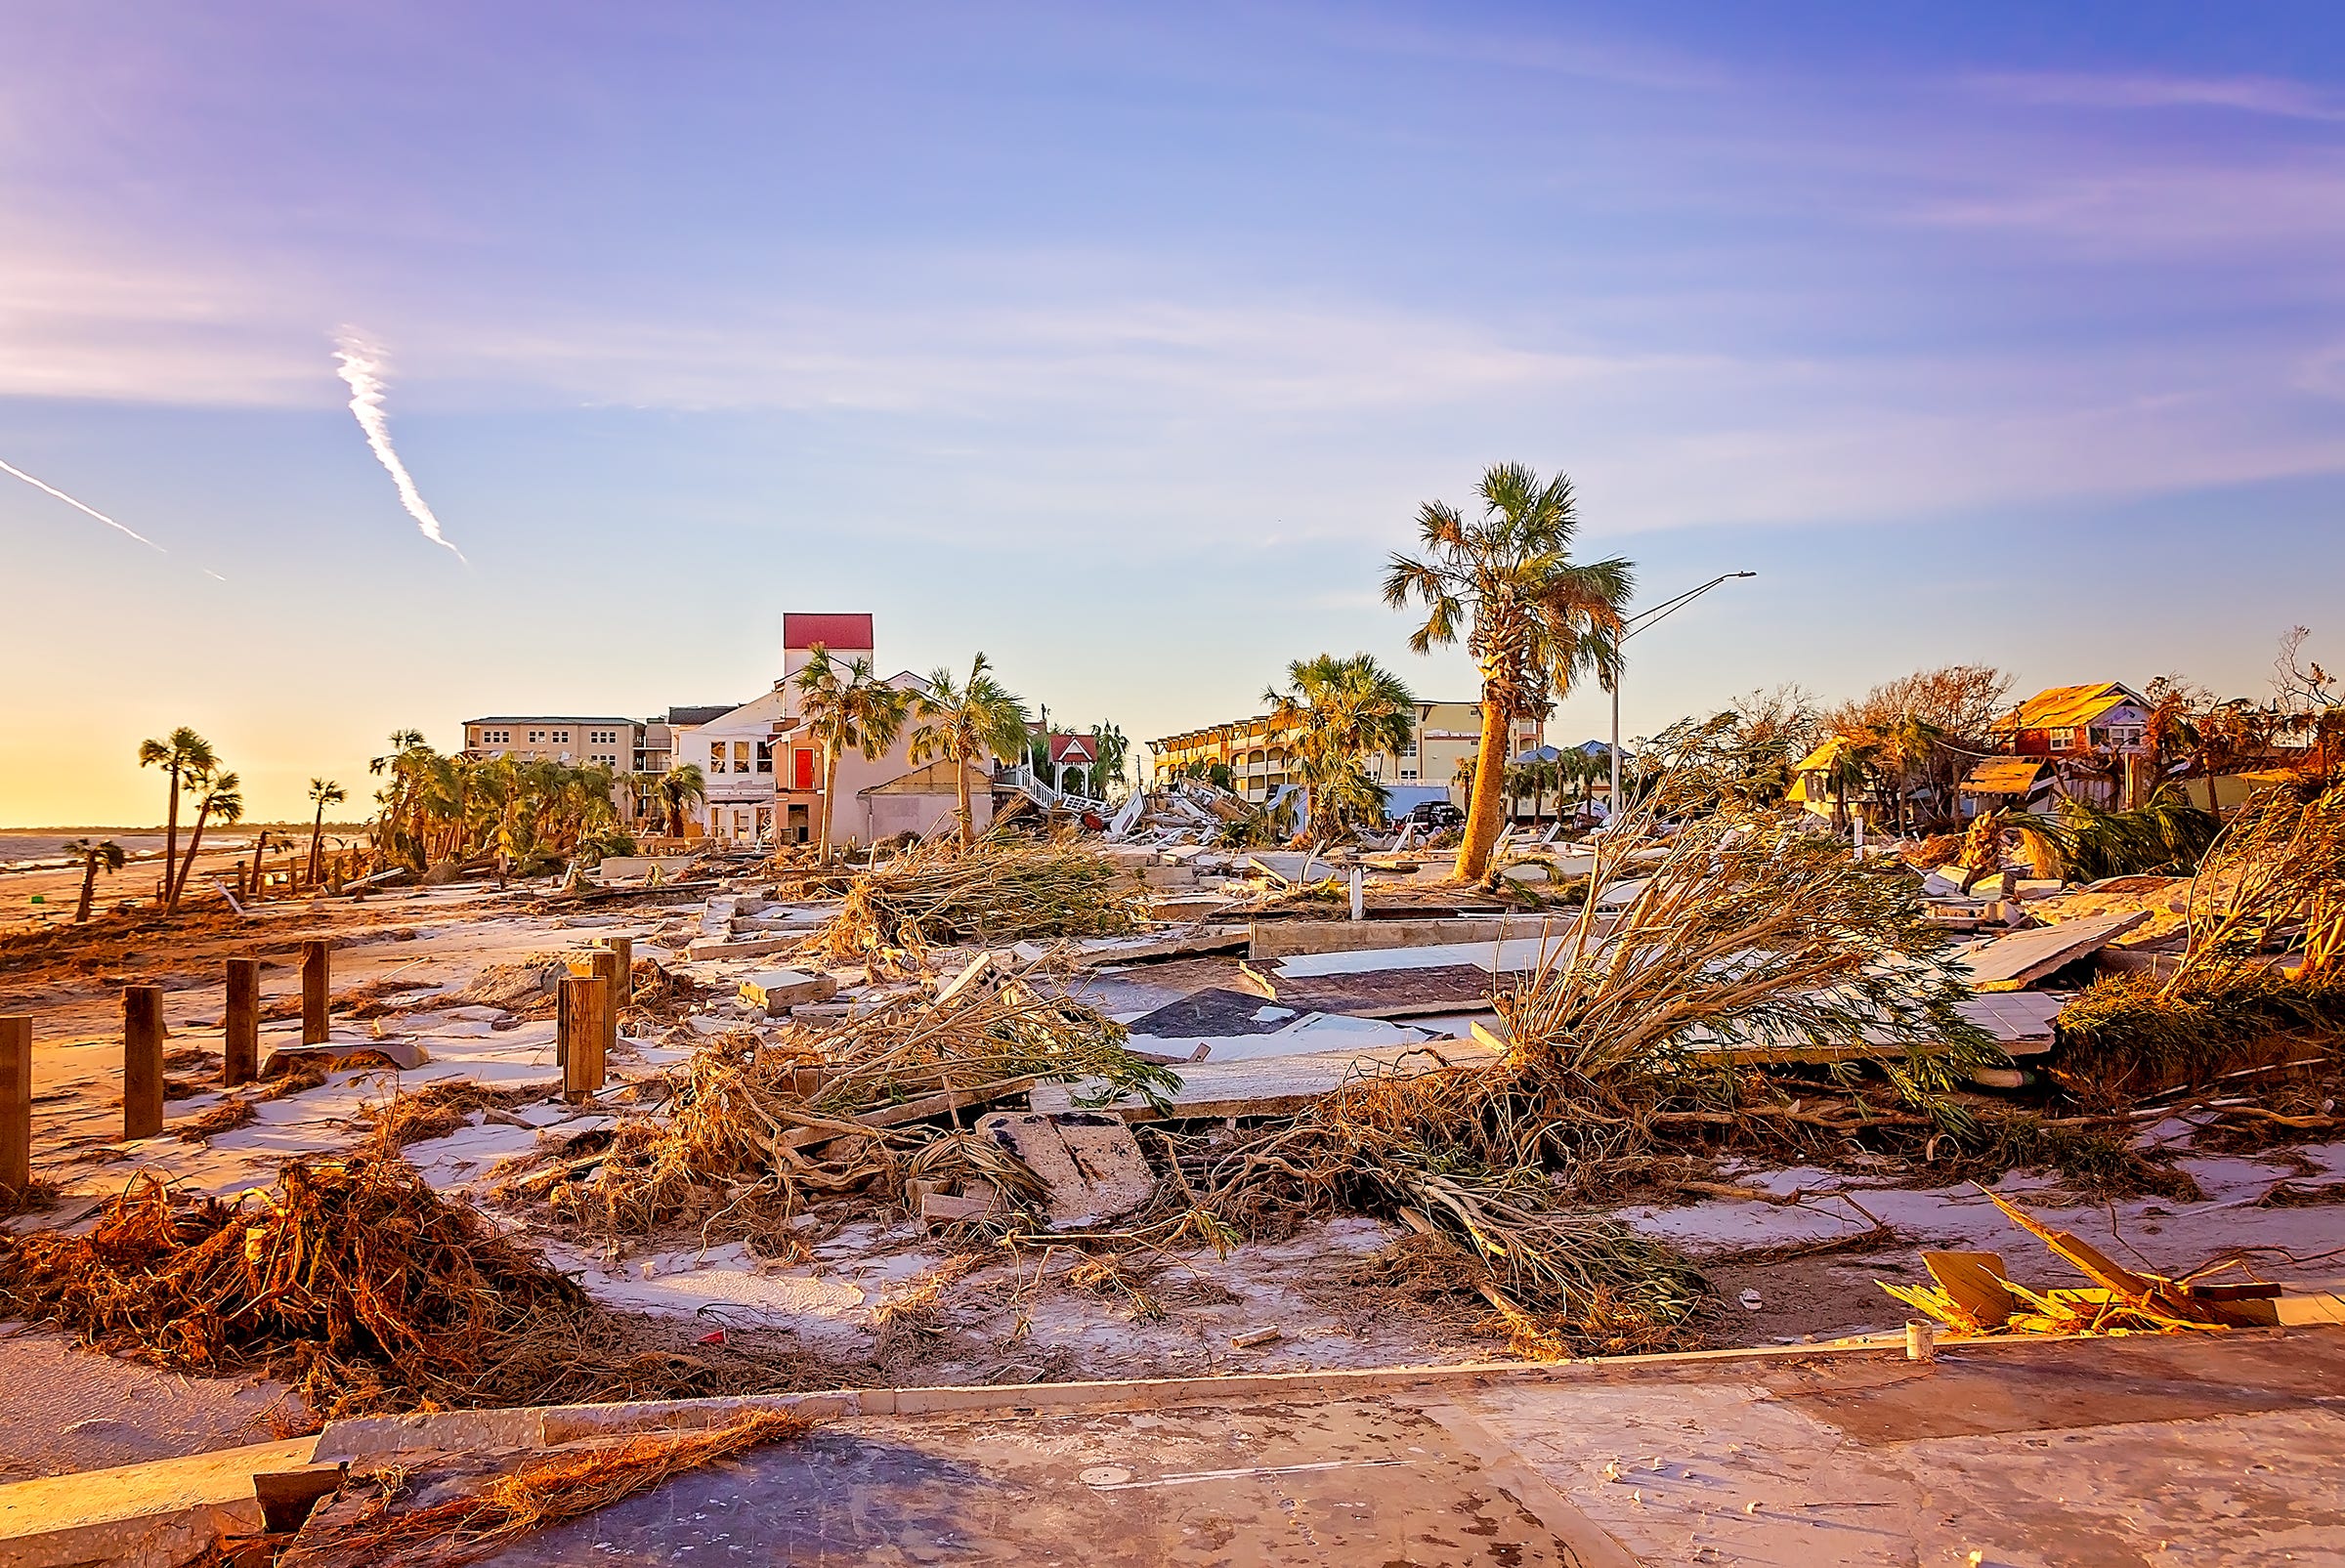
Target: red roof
834	632
1074	748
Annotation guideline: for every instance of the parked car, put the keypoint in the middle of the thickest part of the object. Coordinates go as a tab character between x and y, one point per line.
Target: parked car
1435	815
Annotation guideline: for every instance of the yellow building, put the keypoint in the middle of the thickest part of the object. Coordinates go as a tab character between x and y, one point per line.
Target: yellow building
1261	757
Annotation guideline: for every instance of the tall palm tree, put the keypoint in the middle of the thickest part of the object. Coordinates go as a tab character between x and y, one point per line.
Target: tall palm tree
678	791
181	751
967	721
1345	711
1535	620
847	706
323	792
223	797
107	854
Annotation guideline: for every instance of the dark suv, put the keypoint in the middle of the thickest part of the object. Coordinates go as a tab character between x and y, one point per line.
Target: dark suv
1436	815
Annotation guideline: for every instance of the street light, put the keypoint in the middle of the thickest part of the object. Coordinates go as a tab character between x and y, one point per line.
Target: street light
1645	620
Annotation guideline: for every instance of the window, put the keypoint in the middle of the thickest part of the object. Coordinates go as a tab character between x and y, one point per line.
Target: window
536	737
1408	773
1409	750
2064	740
741	757
561	738
765	756
2122	734
496	737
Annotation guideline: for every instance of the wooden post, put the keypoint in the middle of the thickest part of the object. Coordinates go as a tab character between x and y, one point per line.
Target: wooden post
241	1049
585	1014
606	969
625	947
317	970
142	1061
15	1104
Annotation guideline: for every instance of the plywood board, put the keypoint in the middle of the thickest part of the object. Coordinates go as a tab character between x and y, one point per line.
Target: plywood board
2023	958
1276	1085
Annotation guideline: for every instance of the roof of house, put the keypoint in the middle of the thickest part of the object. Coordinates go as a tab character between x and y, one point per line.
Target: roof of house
1074	748
2004	776
701	714
2067	707
936	779
834	632
547	718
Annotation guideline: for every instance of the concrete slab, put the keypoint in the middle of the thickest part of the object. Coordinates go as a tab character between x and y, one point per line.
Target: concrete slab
160	1514
2223	1448
1275	1085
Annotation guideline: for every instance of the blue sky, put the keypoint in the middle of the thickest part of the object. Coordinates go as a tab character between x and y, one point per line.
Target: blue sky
1124	343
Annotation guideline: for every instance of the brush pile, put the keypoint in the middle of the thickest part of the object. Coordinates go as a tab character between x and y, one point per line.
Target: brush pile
354	1280
756	1131
1000	890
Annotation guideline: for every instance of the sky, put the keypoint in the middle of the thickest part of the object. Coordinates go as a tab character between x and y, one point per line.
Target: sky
1124	344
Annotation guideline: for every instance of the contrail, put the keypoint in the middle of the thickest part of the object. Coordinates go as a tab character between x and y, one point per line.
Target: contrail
11	468
358	366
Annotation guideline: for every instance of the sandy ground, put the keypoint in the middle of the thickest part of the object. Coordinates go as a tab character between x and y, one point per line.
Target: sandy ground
1000	1319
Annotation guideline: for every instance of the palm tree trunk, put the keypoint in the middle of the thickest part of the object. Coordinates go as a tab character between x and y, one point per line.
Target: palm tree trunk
179	888
968	821
1482	813
171	833
317	837
89	885
829	790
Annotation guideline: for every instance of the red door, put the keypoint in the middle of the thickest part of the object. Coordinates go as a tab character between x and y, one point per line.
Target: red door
801	763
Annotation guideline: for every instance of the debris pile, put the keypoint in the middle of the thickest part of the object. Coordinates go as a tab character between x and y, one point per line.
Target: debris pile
756	1129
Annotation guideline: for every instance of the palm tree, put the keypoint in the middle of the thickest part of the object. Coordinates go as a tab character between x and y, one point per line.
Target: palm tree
843	708
965	721
107	854
224	798
176	755
1535	618
323	792
1345	710
405	762
677	791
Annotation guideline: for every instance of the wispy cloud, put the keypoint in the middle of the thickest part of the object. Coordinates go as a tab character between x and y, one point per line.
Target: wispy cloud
2248	95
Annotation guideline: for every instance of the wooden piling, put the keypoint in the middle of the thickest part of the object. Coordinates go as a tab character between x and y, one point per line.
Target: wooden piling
241	1049
609	969
15	1104
316	983
142	1061
585	1020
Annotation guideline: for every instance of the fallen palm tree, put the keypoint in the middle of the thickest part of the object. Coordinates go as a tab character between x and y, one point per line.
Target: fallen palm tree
997	890
1631	1041
352	1279
2261	979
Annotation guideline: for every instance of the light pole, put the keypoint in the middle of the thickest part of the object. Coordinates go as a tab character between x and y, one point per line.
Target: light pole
1643	621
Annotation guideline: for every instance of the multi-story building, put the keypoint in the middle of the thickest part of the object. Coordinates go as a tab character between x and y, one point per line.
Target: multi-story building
765	773
1260	756
576	742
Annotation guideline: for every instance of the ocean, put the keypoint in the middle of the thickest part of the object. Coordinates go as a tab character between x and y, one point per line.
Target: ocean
33	852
